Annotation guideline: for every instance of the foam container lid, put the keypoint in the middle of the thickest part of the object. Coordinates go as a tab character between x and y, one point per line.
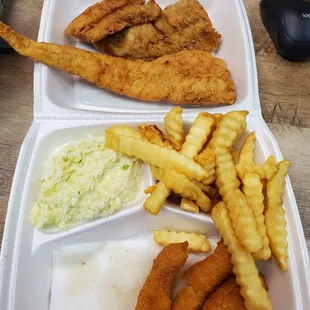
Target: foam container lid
58	92
66	109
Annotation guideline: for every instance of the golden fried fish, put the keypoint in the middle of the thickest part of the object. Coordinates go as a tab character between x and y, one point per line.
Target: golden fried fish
183	25
186	77
110	16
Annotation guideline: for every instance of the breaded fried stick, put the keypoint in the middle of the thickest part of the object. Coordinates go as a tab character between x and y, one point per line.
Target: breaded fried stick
155	293
227	297
204	277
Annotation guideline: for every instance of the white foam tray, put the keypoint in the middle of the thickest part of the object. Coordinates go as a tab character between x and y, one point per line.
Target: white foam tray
27	254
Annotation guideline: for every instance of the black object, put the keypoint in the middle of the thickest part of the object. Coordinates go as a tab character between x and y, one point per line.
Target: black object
288	24
3	44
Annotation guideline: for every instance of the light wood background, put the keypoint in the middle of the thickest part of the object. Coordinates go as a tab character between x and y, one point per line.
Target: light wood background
284	91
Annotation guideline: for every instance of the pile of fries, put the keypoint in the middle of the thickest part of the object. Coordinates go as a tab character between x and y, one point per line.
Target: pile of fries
206	170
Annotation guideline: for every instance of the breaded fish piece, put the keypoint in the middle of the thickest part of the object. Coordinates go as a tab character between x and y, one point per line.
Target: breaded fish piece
227	297
184	24
94	14
187	77
132	15
128	15
204	277
155	293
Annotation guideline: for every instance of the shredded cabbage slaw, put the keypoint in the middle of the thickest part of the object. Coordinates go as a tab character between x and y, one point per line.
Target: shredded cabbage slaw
83	181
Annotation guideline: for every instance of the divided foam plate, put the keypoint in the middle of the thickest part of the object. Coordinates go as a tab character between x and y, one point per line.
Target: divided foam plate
29	255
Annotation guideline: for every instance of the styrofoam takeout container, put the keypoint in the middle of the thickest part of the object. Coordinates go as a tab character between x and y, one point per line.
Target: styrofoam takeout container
67	109
229	19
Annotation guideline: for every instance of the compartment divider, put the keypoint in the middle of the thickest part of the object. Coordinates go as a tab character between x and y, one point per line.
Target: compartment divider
50	118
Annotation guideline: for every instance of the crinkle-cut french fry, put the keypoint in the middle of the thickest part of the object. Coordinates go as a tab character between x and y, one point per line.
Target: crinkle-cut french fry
275	215
150	189
180	184
206	159
247	275
243	221
154	135
198	135
253	191
266	171
196	242
154	154
157	199
226	175
247	150
208	190
229	129
217	118
235	156
174	127
189	205
246	161
211	191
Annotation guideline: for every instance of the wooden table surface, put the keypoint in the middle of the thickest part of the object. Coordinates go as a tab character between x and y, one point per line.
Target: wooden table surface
284	92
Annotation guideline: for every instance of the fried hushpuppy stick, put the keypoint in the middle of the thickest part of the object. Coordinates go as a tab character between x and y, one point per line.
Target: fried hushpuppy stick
187	77
155	293
209	273
186	299
204	277
227	297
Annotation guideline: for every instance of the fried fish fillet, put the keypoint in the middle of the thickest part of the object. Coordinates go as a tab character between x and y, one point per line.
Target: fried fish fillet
110	16
227	297
184	25
204	277
187	77
94	14
155	293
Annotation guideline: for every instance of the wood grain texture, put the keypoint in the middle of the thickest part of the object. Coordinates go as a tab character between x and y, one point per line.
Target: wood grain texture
294	144
283	85
284	90
16	91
